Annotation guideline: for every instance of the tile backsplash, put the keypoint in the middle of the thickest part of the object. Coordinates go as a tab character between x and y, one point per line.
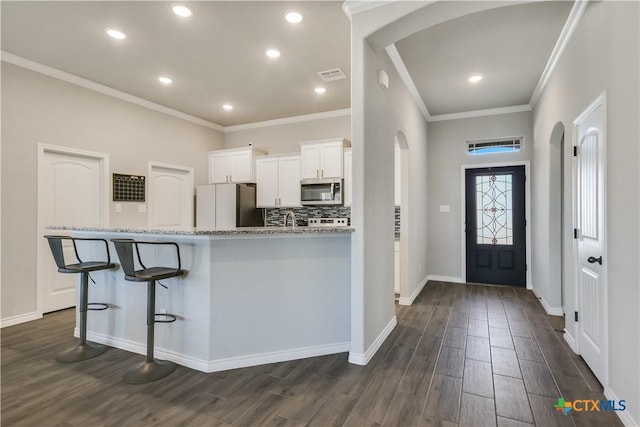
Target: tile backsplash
275	216
397	222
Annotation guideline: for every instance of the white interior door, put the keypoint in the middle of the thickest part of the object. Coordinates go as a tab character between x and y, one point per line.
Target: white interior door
72	191
170	196
589	131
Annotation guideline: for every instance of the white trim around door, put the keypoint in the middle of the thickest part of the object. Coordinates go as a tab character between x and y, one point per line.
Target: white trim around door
41	248
527	190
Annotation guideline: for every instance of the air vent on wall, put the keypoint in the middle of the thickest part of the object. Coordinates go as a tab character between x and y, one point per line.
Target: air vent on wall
332	75
495	145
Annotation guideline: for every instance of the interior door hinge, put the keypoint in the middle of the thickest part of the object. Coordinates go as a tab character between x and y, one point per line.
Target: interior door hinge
575	151
575	316
575	233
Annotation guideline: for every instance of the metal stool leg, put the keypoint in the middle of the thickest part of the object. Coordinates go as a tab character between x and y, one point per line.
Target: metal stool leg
84	350
150	370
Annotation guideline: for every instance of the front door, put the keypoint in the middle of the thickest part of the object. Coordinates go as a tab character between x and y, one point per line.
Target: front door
495	225
71	192
592	296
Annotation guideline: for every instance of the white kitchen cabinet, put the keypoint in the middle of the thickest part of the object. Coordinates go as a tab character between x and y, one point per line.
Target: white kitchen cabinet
278	181
348	177
233	165
322	159
398	176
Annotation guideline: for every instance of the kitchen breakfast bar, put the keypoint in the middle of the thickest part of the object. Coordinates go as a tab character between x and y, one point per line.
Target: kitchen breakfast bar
249	296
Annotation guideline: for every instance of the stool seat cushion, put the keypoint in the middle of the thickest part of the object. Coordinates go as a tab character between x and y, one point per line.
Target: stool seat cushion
83	267
154	273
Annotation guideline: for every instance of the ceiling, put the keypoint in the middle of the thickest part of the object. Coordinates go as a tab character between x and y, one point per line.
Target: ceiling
217	56
509	46
214	57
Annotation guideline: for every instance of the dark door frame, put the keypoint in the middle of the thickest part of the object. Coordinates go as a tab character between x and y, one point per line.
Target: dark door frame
527	191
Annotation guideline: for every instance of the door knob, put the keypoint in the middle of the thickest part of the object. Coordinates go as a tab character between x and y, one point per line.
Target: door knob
593	260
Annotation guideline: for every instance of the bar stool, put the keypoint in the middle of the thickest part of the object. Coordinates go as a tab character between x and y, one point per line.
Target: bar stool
151	369
83	350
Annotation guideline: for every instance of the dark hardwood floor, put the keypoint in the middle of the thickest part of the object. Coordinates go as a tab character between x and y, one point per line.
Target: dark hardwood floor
466	355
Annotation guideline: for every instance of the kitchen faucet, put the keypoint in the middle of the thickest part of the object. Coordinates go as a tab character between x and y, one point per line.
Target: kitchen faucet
293	219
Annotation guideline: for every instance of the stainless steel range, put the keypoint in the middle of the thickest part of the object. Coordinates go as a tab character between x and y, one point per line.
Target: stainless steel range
328	222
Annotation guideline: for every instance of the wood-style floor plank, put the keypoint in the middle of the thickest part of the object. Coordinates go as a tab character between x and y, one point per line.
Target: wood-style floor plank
460	355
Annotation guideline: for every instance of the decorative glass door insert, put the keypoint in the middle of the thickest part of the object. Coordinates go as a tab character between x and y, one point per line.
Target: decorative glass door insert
494	209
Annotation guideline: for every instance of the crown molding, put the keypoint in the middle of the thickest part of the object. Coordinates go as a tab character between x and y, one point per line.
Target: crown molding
563	40
397	61
106	90
351	7
289	120
481	113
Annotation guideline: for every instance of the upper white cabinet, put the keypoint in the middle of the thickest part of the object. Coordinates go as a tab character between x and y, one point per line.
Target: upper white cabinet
233	165
322	159
348	177
278	181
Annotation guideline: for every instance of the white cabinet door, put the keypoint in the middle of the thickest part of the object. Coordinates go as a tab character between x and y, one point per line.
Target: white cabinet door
267	182
310	161
219	168
289	181
348	176
241	166
398	176
331	159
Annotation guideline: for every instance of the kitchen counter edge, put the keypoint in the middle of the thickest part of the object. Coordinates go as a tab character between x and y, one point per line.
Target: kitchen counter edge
240	231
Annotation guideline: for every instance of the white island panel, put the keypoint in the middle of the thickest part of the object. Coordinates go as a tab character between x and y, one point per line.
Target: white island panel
246	299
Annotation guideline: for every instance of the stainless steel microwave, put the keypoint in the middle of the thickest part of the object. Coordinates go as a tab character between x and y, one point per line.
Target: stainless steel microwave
322	191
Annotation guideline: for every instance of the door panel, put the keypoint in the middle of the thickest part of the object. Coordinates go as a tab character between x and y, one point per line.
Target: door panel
495	225
267	182
590	139
170	197
71	194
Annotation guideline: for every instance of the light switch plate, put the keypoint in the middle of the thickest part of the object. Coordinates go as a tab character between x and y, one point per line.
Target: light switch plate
445	208
142	208
118	207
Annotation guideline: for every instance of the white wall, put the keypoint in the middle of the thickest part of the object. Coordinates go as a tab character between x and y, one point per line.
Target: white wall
602	55
284	138
41	109
447	154
377	116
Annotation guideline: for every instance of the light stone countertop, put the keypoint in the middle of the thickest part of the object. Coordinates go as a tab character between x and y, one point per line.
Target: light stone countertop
239	231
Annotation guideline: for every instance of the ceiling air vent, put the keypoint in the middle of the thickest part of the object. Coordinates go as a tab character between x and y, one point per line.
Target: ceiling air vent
495	145
332	75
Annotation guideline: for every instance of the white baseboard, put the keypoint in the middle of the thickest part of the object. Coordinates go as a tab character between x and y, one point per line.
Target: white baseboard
625	416
364	358
570	341
451	279
277	356
20	318
414	295
208	366
551	311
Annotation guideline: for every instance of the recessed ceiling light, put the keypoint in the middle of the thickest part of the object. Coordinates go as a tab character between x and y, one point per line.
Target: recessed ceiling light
116	34
293	16
320	90
165	80
228	107
273	53
181	10
475	79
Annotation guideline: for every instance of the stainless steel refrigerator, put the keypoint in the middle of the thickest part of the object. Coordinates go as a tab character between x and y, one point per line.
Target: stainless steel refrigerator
226	206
